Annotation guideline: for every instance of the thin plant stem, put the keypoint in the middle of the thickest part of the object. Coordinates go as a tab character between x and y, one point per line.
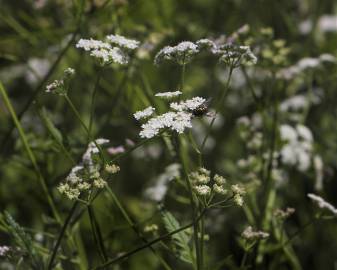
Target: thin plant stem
97	234
93	100
59	238
150	243
218	107
192	202
30	153
135	228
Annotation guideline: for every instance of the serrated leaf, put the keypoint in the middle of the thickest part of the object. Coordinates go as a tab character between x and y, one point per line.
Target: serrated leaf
56	134
180	239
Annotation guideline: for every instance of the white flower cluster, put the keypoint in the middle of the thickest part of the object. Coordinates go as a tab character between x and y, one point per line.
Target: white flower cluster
4	250
184	52
283	214
188	105
123	42
235	55
168	95
181	53
86	175
107	53
238	193
60	86
322	203
147	112
305	64
251	235
325	24
201	179
297	150
177	120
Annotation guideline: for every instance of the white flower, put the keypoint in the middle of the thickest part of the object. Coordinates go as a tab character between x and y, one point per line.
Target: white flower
322	203
188	105
219	189
181	53
202	190
249	234
288	133
294	103
4	250
176	121
54	86
123	42
168	95
92	44
103	51
304	133
144	113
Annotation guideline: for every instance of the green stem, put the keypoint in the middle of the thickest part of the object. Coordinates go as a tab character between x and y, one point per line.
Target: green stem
77	114
192	202
30	153
93	99
150	243
60	236
97	234
218	107
135	228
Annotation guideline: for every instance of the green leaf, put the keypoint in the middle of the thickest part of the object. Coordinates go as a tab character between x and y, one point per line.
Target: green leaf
180	239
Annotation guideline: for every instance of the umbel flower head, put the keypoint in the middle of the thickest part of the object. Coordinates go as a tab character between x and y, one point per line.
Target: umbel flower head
114	50
60	86
251	235
177	120
86	175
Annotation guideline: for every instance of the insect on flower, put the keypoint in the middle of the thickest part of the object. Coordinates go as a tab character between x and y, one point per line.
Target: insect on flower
202	109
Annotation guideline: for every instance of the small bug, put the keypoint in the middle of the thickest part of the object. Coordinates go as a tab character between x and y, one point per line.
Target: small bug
202	109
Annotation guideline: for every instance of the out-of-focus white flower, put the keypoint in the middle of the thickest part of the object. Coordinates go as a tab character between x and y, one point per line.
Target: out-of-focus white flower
202	190
144	113
116	150
304	133
181	53
322	203
250	234
168	95
4	250
123	42
297	150
103	51
288	133
38	68
295	103
328	23
159	190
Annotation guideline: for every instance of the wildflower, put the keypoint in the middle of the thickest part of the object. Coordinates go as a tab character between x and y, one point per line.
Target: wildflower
151	228
206	44
219	189
116	150
322	203
103	51
112	168
55	87
181	53
219	180
283	214
235	55
144	113
201	176
4	250
69	72
251	235
237	189
123	42
202	190
176	121
168	95
188	105
99	183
